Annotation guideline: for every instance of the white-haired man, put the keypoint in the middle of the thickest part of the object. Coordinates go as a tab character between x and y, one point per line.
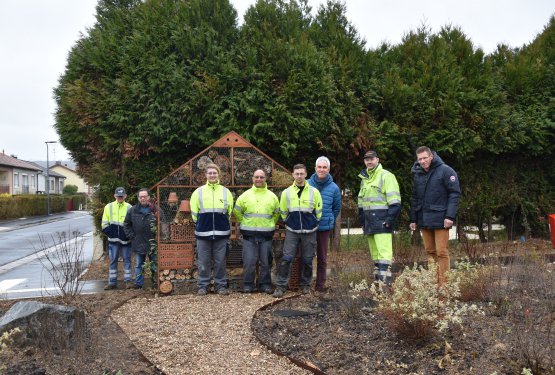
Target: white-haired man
331	200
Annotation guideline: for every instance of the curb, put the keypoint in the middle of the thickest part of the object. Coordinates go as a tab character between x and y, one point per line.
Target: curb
307	366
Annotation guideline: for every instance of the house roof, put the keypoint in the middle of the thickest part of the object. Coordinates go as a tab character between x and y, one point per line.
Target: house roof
10	161
51	173
64	170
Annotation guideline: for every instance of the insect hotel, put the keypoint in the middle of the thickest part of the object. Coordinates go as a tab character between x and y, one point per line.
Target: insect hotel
237	159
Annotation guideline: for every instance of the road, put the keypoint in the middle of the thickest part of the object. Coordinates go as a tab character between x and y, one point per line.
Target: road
31	248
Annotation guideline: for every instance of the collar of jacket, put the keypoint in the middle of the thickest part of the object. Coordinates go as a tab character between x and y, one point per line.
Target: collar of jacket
294	186
264	188
370	173
214	185
320	184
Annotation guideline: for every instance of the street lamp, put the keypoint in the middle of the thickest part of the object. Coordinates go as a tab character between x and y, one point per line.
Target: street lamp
48	179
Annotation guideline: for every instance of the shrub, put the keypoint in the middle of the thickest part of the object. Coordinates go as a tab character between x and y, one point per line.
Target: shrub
345	274
24	205
63	258
70	190
472	279
416	308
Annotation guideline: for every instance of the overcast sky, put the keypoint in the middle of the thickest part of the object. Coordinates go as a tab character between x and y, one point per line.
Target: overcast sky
36	36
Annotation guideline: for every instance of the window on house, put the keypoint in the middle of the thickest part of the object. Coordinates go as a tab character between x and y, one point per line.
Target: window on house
16	180
33	181
61	186
52	185
25	180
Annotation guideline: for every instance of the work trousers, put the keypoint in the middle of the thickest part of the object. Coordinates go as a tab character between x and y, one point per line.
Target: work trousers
436	242
209	251
381	249
290	246
257	251
113	254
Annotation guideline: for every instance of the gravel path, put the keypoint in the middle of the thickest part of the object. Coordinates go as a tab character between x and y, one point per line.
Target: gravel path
190	334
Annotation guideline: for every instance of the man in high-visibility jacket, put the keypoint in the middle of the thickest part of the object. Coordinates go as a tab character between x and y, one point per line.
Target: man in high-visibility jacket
112	226
257	210
301	209
211	207
379	205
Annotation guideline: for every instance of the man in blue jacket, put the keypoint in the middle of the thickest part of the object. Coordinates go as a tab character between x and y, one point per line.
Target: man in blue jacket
435	201
331	201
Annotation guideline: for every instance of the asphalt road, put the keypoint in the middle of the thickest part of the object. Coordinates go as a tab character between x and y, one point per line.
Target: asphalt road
31	248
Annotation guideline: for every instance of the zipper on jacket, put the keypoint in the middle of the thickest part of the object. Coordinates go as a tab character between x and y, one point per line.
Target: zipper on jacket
213	213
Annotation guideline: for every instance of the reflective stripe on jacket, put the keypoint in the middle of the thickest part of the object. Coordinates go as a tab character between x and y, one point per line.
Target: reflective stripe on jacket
301	215
112	221
379	200
211	207
257	209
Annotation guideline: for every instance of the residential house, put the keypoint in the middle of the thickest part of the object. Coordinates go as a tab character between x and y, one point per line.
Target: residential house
17	176
57	181
72	178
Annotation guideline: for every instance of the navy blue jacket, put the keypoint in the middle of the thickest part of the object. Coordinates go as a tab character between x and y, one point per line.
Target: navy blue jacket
331	200
435	194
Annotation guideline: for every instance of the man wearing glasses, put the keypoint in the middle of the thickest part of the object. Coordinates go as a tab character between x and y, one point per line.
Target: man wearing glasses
211	207
257	210
435	201
138	224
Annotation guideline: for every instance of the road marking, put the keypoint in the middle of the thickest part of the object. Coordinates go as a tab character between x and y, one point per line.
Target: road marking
29	258
8	284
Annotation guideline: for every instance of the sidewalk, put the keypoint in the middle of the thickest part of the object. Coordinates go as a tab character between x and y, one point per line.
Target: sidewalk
13	224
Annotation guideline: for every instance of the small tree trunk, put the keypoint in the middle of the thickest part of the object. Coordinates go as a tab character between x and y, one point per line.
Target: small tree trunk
490	230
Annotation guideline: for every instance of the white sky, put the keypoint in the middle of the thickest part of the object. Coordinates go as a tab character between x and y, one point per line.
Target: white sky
36	36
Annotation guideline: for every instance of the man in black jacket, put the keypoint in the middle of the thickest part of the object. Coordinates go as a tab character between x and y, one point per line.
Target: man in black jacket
138	224
435	201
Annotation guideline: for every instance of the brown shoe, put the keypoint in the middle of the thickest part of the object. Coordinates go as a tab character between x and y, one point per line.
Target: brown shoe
128	285
110	286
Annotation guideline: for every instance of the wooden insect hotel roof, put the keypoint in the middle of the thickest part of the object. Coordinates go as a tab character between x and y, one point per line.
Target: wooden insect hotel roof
237	159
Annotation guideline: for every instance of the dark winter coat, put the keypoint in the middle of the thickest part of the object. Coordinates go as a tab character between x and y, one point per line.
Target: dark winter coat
138	228
331	199
435	194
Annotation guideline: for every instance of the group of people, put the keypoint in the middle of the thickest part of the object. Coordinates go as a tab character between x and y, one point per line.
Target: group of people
129	227
434	204
309	209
